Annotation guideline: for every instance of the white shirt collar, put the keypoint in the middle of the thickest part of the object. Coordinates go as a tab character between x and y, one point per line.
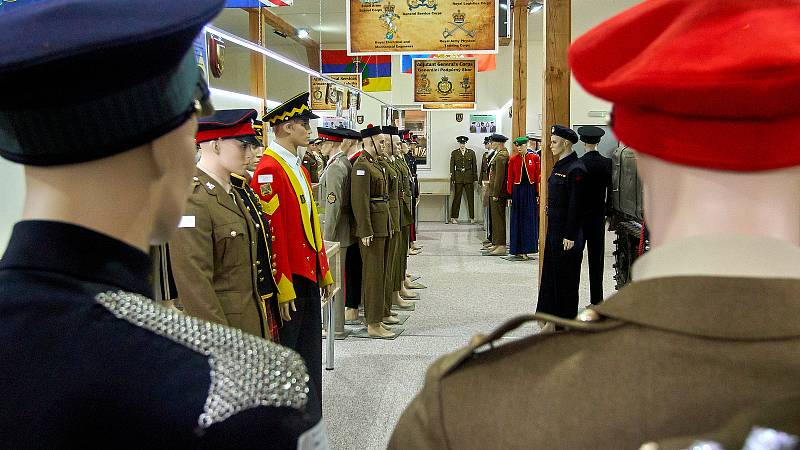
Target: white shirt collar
224	184
724	256
289	157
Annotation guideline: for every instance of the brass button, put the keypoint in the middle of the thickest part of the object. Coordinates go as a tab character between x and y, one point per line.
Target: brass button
261	279
258	226
258	263
274	271
274	265
233	234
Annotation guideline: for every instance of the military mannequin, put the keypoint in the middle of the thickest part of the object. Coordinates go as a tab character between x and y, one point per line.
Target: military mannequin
395	253
411	162
488	155
351	147
369	197
523	182
463	175
215	258
405	218
88	359
498	195
299	257
711	308
312	161
563	248
597	188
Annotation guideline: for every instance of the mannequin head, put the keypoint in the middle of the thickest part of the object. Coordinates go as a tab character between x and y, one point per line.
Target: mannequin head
462	146
350	147
559	146
327	148
384	142
293	133
258	152
151	184
721	202
225	156
397	148
370	145
404	148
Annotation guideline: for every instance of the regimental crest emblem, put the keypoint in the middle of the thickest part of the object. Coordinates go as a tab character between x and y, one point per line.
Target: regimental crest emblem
387	19
266	189
445	86
318	94
331	198
360	119
459	23
459	117
466	83
424	84
414	4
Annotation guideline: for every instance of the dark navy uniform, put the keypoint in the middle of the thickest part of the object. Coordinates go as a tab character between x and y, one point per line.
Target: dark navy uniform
597	189
87	359
558	291
265	282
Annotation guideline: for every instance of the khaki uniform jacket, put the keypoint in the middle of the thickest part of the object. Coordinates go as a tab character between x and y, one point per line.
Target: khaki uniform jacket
393	185
498	174
215	261
369	196
485	167
335	190
666	355
406	199
463	168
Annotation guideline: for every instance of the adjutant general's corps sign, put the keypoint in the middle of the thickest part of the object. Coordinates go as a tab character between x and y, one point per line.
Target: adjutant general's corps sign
441	80
421	26
324	96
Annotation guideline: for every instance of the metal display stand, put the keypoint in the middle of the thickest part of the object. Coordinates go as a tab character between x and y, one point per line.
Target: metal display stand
333	311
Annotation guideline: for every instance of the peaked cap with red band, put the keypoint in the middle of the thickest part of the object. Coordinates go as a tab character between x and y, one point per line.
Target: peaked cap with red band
329	134
227	124
698	83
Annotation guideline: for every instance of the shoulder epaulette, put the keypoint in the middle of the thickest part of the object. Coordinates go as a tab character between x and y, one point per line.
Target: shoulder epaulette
246	371
589	321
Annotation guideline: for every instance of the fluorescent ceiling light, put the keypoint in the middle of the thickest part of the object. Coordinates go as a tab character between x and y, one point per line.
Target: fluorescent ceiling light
302	33
278	57
535	6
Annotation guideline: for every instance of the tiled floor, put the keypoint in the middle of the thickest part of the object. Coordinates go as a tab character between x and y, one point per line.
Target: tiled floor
467	294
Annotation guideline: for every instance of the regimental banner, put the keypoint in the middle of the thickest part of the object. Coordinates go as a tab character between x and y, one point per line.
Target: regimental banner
449	107
421	26
324	95
444	80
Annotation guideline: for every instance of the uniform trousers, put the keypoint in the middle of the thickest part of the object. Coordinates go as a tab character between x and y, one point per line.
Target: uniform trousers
373	276
499	221
303	333
561	278
595	234
469	190
402	257
391	267
524	220
352	277
413	235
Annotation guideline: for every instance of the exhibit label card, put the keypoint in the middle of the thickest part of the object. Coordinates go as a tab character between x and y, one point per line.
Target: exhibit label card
444	80
323	94
421	26
448	106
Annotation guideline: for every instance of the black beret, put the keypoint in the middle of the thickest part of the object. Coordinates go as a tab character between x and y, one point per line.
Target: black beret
113	61
294	108
565	132
370	131
591	134
462	139
497	138
390	130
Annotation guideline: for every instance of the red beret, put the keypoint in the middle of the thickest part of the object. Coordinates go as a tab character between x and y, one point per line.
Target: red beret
700	83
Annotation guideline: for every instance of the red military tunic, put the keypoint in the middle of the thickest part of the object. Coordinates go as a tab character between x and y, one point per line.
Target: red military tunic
532	166
297	247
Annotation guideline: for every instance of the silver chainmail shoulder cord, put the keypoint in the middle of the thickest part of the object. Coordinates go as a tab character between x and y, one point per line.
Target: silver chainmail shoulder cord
246	371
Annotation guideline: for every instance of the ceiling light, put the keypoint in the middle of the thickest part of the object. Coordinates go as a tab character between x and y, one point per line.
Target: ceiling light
302	33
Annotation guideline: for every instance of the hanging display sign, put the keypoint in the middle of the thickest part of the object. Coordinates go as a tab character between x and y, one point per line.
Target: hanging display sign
324	95
448	106
443	80
421	26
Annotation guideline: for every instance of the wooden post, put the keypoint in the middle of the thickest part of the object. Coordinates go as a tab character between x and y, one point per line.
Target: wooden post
520	69
555	100
258	63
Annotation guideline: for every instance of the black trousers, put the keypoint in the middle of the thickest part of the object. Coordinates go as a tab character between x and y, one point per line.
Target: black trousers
594	233
561	278
303	333
352	277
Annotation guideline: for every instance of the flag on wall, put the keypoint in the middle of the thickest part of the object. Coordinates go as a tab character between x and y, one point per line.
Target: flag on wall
484	63
376	70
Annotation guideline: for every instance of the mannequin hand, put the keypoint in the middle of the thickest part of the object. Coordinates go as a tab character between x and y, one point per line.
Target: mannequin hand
568	244
366	241
285	310
495	198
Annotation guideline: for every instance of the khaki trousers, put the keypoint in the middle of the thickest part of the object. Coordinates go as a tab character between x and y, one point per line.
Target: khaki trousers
499	221
373	278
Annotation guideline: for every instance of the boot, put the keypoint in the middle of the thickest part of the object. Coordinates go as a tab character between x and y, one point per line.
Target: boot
376	330
405	293
500	250
471	220
389	320
350	314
